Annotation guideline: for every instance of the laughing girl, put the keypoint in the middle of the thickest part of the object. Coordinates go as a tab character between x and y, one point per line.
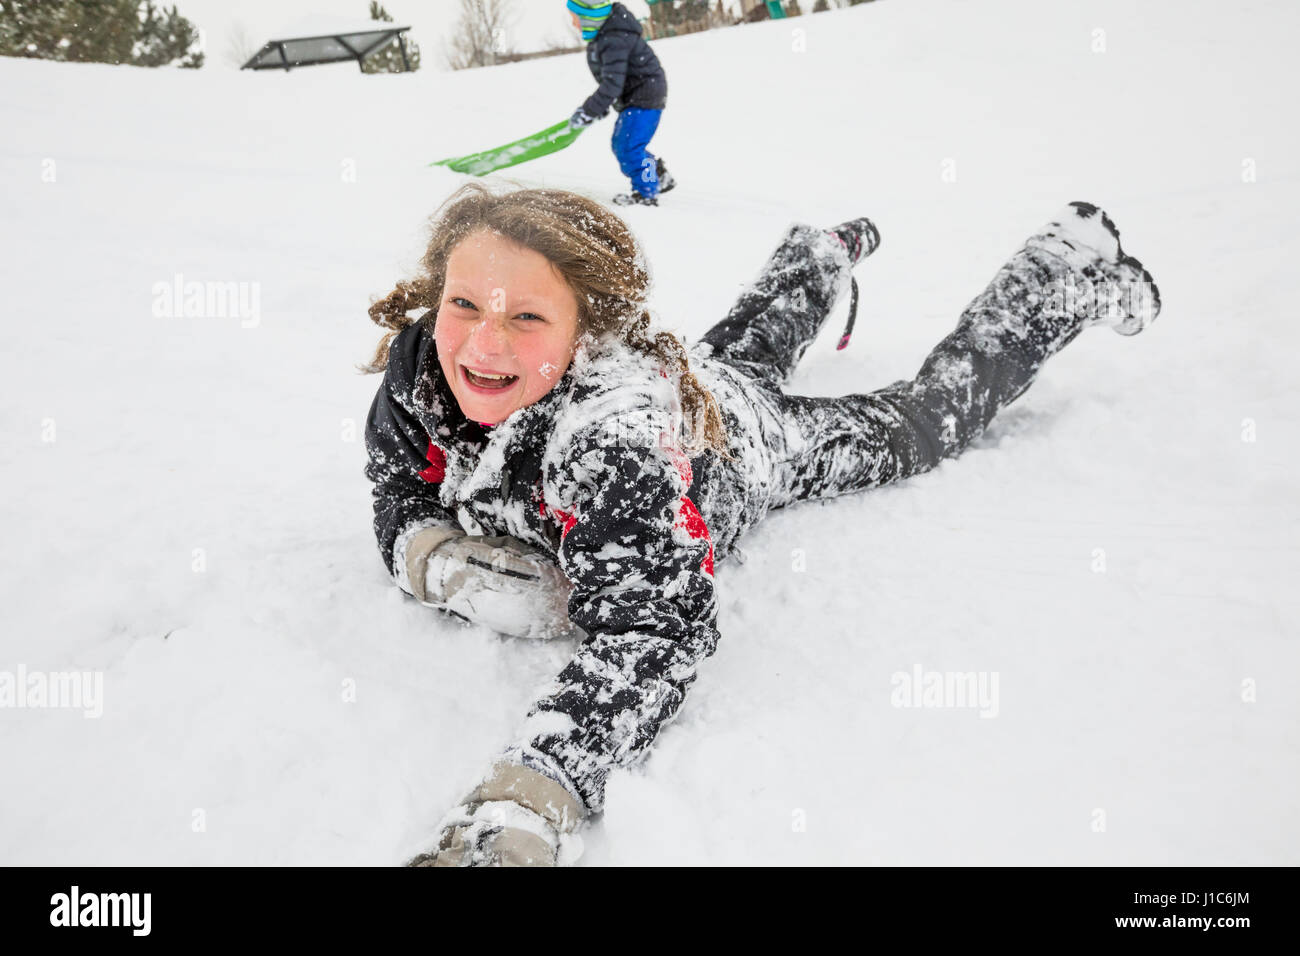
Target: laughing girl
545	462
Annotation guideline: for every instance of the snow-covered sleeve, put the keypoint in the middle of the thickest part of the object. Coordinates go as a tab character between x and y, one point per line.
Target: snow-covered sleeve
402	461
614	54
640	560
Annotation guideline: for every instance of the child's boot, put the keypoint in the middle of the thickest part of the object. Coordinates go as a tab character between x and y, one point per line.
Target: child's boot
1112	287
634	198
666	181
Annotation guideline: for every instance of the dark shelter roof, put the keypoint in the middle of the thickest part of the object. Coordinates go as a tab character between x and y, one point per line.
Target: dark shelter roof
325	41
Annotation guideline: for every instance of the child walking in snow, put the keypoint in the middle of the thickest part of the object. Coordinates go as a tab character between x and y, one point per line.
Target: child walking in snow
545	462
632	81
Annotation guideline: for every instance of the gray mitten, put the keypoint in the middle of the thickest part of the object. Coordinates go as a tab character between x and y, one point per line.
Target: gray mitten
516	817
498	582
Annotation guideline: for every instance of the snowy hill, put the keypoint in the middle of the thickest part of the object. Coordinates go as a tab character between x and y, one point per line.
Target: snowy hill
186	511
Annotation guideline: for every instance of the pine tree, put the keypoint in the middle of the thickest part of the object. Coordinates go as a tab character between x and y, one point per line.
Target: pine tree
166	37
98	31
389	59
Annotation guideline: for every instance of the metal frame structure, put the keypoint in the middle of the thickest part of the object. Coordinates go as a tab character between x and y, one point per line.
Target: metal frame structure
274	56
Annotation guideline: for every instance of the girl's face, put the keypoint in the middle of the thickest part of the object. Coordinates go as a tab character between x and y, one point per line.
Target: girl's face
506	326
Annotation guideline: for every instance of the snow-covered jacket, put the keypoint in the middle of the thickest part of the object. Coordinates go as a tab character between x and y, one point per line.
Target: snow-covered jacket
626	68
590	473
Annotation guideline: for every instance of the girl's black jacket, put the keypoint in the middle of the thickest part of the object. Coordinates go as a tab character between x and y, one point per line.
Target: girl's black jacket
590	475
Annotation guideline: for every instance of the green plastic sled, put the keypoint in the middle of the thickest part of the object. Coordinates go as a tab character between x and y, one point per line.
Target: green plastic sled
550	140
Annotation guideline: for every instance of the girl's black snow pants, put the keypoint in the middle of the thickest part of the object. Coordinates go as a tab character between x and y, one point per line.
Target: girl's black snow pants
820	447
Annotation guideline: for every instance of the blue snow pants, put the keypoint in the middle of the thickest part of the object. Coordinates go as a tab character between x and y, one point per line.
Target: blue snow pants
632	132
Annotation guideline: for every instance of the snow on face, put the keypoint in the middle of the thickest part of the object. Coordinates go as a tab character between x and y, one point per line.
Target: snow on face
506	326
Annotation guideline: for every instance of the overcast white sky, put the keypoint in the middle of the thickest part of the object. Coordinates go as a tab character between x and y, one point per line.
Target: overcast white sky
536	21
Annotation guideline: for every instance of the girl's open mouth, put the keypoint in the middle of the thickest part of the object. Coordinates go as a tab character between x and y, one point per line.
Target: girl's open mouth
488	381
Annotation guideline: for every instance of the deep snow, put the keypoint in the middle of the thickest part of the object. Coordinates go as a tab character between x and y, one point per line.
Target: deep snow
224	689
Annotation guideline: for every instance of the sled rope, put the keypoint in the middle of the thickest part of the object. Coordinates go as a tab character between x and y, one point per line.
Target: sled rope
853	313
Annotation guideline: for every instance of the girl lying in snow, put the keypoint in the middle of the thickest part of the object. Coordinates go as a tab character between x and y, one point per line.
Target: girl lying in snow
544	462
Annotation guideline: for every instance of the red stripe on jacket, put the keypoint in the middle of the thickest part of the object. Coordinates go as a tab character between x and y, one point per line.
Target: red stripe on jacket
567	519
688	516
437	464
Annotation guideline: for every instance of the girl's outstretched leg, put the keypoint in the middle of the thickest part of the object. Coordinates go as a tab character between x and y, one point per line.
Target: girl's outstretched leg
779	314
1071	275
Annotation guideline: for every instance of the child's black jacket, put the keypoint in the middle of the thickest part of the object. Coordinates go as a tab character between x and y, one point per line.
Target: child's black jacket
572	474
626	68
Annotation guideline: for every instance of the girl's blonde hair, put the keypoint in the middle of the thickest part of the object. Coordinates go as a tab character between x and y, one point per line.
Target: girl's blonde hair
597	256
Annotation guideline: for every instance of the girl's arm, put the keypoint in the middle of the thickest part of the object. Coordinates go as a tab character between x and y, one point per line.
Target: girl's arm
404	468
640	561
